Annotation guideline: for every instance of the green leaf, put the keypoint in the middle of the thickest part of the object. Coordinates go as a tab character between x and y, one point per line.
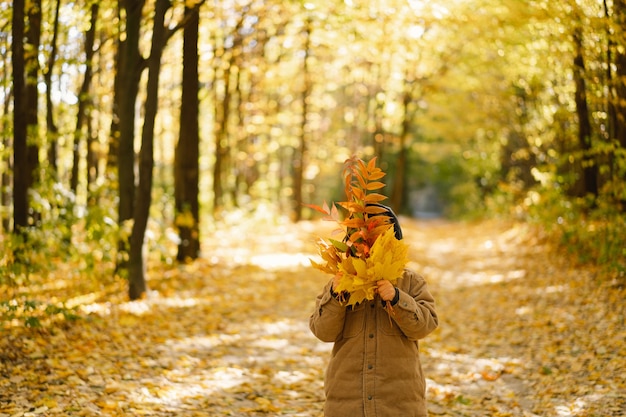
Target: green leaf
339	245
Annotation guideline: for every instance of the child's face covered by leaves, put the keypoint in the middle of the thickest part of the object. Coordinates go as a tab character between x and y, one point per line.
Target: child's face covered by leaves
369	250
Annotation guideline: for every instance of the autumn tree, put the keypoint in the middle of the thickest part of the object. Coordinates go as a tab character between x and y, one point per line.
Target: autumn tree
51	127
21	176
300	151
514	102
228	47
84	101
617	95
143	198
6	127
130	67
33	42
186	159
590	167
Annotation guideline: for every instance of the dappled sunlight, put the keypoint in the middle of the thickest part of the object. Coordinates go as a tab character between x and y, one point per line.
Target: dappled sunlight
522	334
280	260
196	343
205	369
480	257
469	279
471	368
177	390
143	306
520	326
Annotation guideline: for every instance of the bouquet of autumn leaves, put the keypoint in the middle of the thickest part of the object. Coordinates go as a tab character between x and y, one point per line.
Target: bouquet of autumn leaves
368	250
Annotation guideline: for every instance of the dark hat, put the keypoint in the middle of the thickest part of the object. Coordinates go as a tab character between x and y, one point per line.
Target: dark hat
394	219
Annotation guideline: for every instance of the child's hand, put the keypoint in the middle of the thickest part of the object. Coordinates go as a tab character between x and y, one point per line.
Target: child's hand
386	290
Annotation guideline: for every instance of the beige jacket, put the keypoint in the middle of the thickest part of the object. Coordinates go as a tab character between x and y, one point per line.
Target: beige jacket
375	368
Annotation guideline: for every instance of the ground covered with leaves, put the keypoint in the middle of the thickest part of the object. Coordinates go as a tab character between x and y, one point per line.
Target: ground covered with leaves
524	331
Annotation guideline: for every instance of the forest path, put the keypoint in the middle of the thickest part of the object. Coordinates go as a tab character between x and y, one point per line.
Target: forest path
523	332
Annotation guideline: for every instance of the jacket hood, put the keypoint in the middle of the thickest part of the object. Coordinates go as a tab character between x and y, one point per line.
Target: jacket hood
394	219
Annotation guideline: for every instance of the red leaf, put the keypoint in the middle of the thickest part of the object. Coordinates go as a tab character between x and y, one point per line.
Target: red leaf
323	210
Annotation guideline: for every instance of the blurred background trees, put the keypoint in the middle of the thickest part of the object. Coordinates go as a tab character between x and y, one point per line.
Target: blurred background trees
118	130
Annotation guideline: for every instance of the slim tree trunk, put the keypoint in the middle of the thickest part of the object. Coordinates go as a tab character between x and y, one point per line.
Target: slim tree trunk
132	65
397	192
33	40
20	150
590	168
186	159
5	161
300	152
53	131
136	261
617	99
619	13
114	135
83	96
222	114
221	147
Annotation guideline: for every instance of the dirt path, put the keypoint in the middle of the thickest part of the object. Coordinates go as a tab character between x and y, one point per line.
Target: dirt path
523	333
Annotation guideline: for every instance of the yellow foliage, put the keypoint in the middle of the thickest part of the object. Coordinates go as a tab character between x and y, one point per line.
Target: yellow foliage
185	219
387	260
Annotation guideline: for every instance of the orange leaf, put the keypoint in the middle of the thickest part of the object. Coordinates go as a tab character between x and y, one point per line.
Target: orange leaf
374	198
375	210
490	376
375	185
318	208
352	207
358	193
362	165
371	164
376	175
361	180
354	223
356	236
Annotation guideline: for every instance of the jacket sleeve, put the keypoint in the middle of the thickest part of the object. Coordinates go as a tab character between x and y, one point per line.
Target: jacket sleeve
415	312
326	322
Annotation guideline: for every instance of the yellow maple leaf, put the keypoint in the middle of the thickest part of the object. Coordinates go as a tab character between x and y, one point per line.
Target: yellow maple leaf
388	257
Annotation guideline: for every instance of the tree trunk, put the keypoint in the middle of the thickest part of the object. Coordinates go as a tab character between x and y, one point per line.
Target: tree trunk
130	73
33	40
398	189
186	159
92	137
20	150
222	111
300	151
53	131
130	67
93	157
143	199
619	12
114	134
5	162
83	96
590	167
221	142
617	101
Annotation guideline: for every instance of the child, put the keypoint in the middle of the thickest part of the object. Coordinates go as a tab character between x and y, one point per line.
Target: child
375	368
